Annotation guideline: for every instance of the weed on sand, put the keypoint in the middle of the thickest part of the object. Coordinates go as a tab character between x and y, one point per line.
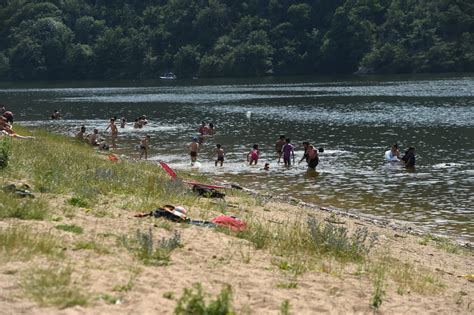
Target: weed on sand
143	247
20	242
70	228
193	301
53	286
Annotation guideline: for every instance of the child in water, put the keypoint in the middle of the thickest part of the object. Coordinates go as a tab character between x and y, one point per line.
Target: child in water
144	146
114	131
288	152
193	150
253	155
220	154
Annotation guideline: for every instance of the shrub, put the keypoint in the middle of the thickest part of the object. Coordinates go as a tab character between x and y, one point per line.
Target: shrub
336	241
193	302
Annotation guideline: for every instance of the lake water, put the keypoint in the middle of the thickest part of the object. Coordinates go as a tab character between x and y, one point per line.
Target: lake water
354	118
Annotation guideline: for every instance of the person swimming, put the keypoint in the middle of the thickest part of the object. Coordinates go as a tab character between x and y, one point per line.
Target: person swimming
392	155
409	158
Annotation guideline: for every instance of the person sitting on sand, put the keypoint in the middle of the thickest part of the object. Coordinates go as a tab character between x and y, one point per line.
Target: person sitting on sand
103	146
279	146
220	154
9	116
253	155
7	130
409	158
193	150
81	133
144	146
393	154
114	131
92	138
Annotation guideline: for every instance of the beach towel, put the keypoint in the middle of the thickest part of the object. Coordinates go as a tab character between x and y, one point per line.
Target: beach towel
230	222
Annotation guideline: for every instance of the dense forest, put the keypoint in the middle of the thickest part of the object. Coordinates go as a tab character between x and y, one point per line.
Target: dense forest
115	39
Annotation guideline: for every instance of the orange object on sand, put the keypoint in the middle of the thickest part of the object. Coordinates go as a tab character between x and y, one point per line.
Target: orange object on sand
113	158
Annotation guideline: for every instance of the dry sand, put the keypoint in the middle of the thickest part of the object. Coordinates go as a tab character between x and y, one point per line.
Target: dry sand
215	259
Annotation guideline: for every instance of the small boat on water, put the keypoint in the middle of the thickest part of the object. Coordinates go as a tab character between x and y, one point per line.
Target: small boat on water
168	76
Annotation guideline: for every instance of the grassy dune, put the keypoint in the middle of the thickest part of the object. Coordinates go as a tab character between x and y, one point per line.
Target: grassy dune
77	244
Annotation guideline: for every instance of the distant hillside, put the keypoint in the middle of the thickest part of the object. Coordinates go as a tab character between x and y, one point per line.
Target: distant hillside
113	39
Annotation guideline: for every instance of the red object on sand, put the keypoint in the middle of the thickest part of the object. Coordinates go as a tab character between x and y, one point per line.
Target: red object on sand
232	223
113	158
175	176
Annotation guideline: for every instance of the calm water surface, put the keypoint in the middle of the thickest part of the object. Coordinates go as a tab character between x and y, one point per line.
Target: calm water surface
354	118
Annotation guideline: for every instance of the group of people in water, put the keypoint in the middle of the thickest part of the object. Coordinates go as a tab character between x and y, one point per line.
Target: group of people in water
283	147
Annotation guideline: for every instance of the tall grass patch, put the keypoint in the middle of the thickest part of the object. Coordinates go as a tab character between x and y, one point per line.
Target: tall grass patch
20	242
22	208
57	164
149	252
53	286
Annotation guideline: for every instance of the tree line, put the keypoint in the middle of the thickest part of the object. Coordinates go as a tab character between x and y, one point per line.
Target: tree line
119	39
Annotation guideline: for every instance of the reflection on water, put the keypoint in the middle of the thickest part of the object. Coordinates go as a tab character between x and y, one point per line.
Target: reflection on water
355	121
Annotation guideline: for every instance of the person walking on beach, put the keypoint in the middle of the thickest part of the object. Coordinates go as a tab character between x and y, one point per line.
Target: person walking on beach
253	155
114	131
279	146
144	147
193	150
220	154
288	152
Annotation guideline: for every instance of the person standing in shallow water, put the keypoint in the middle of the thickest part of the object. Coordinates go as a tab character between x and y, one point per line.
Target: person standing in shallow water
253	155
114	130
288	152
279	146
193	150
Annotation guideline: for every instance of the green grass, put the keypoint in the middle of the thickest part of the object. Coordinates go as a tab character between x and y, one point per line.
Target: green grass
285	307
59	165
193	301
53	286
90	245
22	208
5	152
70	228
78	202
22	243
